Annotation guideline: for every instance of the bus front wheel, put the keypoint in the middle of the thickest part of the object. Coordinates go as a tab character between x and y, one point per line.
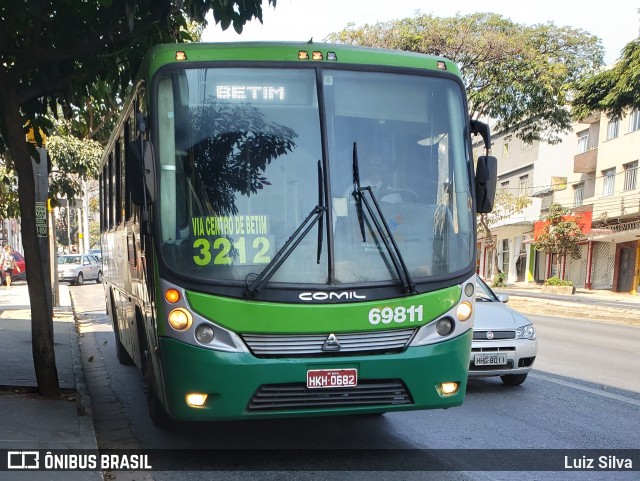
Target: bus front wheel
158	414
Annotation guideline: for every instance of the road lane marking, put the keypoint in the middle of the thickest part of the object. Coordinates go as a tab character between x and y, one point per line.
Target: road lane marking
591	390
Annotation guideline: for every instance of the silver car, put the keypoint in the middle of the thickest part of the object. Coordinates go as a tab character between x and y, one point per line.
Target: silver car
77	268
504	341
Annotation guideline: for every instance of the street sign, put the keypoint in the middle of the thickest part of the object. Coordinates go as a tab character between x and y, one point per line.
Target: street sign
41	219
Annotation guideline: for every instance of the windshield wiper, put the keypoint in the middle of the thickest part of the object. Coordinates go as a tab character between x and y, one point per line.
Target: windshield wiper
320	204
381	225
315	216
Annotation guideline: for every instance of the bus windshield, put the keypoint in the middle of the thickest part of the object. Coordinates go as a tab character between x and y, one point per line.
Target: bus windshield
239	150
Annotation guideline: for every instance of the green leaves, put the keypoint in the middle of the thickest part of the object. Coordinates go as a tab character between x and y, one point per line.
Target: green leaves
73	160
519	75
561	234
612	91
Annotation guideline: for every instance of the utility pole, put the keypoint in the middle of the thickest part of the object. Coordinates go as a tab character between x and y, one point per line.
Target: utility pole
85	216
41	174
53	255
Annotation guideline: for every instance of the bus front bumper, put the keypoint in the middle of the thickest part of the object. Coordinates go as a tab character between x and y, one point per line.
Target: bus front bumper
242	386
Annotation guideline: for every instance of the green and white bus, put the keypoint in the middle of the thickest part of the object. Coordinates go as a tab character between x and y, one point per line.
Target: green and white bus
289	230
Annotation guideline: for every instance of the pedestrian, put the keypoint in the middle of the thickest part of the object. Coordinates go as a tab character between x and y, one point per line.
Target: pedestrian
8	262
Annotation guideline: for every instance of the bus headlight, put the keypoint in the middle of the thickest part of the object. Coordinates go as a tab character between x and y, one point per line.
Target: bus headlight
464	311
445	326
447	389
180	319
204	334
196	399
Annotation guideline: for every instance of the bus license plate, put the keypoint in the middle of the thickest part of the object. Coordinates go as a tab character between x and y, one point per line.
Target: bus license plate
494	359
325	378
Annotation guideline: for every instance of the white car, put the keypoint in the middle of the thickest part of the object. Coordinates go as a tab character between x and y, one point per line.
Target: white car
504	341
77	268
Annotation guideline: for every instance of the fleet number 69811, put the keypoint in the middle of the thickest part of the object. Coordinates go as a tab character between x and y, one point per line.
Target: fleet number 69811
399	314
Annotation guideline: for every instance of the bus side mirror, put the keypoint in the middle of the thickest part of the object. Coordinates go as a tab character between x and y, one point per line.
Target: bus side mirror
486	179
140	172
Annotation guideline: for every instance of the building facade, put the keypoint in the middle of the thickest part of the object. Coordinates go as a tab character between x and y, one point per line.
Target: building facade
536	170
593	172
604	186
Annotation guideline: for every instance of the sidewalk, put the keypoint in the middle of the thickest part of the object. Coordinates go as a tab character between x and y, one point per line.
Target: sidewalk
27	421
594	304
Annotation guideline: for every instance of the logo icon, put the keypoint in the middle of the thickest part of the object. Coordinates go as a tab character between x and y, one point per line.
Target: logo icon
489	335
23	460
331	344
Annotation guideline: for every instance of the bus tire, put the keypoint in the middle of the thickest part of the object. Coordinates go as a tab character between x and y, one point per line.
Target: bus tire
121	352
158	414
123	356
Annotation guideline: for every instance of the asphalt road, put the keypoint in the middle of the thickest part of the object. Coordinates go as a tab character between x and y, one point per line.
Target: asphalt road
583	394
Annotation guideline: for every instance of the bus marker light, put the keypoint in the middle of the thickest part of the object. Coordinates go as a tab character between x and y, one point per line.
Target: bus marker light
180	319
469	289
442	65
196	399
302	55
316	55
332	56
204	334
172	296
447	388
180	55
464	311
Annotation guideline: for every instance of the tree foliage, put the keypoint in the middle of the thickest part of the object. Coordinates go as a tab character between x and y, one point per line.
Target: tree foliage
612	91
519	75
71	155
55	57
561	234
9	208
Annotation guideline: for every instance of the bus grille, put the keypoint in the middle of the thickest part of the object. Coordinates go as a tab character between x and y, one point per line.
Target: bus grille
278	345
298	396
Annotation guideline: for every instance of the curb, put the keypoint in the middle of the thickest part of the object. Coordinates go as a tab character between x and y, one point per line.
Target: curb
559	308
84	404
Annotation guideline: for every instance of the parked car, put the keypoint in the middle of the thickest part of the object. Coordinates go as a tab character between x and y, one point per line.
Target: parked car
504	341
77	268
96	252
16	276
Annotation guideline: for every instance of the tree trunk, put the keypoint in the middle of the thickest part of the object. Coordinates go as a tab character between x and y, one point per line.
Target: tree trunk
559	266
494	258
41	310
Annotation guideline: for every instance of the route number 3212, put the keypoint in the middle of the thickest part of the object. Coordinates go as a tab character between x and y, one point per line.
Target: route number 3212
223	252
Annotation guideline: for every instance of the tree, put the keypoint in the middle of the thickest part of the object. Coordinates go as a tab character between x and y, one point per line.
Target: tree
506	205
560	235
519	75
52	53
612	91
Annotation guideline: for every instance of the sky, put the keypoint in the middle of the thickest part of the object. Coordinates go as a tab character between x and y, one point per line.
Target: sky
616	22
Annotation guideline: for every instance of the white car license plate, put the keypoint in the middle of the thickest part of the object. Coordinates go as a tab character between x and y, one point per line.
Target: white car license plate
490	359
325	378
